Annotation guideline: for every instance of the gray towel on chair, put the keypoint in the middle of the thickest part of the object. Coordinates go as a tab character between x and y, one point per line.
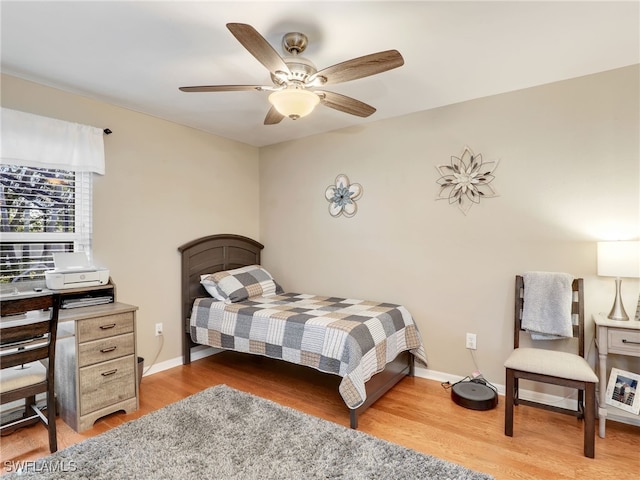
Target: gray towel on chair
547	305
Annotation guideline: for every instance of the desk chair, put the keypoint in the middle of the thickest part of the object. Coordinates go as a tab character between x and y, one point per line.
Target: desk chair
553	367
27	358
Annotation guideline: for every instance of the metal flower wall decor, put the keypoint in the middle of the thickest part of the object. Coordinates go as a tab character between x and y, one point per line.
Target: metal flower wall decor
342	197
466	180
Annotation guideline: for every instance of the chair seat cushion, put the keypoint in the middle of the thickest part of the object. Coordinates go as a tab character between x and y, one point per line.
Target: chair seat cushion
553	363
22	376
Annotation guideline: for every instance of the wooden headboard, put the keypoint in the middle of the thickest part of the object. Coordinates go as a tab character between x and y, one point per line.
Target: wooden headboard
209	255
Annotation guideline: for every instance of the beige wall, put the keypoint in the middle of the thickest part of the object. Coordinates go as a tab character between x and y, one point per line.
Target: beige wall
568	177
165	185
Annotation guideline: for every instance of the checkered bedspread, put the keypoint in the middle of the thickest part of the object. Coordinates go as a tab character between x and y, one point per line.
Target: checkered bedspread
354	339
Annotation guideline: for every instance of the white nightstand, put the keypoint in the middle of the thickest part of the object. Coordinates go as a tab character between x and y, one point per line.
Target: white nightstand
622	338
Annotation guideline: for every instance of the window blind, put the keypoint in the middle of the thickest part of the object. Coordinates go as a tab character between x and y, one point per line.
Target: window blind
42	211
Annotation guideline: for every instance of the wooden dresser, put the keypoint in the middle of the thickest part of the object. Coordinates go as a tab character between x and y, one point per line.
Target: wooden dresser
96	362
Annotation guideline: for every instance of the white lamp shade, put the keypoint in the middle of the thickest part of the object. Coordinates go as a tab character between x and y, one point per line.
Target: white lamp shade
294	102
619	259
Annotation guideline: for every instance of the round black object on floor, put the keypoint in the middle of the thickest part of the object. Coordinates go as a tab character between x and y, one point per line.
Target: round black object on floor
474	395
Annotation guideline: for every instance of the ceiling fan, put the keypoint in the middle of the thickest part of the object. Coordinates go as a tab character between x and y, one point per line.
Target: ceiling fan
297	84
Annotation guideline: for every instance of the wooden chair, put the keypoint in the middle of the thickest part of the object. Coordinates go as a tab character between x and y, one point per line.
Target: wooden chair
27	359
553	367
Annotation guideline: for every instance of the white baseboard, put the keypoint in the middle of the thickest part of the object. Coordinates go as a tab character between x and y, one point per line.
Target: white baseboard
564	402
558	401
196	354
446	377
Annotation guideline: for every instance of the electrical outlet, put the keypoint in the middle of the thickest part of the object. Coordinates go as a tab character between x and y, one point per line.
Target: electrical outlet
158	329
471	341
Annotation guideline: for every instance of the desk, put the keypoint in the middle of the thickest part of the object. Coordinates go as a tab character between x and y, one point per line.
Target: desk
96	359
622	338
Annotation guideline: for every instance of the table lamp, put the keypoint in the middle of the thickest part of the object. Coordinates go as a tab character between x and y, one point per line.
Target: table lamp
619	259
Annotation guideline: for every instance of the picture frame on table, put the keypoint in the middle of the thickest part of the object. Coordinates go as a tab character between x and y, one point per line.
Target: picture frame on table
622	390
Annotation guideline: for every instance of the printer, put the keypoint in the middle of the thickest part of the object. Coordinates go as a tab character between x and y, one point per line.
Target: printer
72	270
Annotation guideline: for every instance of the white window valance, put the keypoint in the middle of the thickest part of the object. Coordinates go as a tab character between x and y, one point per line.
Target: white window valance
37	141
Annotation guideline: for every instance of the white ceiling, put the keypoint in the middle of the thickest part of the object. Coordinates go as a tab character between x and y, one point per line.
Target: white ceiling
137	54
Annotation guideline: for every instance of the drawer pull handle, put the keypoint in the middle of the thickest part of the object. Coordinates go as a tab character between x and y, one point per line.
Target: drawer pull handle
110	372
107	327
624	340
108	349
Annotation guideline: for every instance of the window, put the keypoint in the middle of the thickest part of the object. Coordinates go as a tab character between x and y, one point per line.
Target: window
42	211
46	179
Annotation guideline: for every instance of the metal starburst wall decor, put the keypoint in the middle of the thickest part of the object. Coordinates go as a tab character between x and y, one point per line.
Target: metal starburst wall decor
466	180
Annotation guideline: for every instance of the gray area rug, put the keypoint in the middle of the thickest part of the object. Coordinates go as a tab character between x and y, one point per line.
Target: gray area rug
222	433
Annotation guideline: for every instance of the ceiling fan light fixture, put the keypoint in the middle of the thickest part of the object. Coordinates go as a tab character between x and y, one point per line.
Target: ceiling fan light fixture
294	102
295	78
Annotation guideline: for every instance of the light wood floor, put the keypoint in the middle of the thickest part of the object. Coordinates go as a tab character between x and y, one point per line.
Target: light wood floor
417	413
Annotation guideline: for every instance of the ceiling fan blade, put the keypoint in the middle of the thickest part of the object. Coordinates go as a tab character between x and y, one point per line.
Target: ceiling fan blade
273	117
345	104
258	47
221	88
361	67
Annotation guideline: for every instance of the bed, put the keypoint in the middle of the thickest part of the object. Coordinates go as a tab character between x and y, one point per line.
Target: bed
371	345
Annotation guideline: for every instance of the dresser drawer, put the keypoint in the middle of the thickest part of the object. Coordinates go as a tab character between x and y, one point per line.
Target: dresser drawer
107	326
107	383
105	349
624	341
